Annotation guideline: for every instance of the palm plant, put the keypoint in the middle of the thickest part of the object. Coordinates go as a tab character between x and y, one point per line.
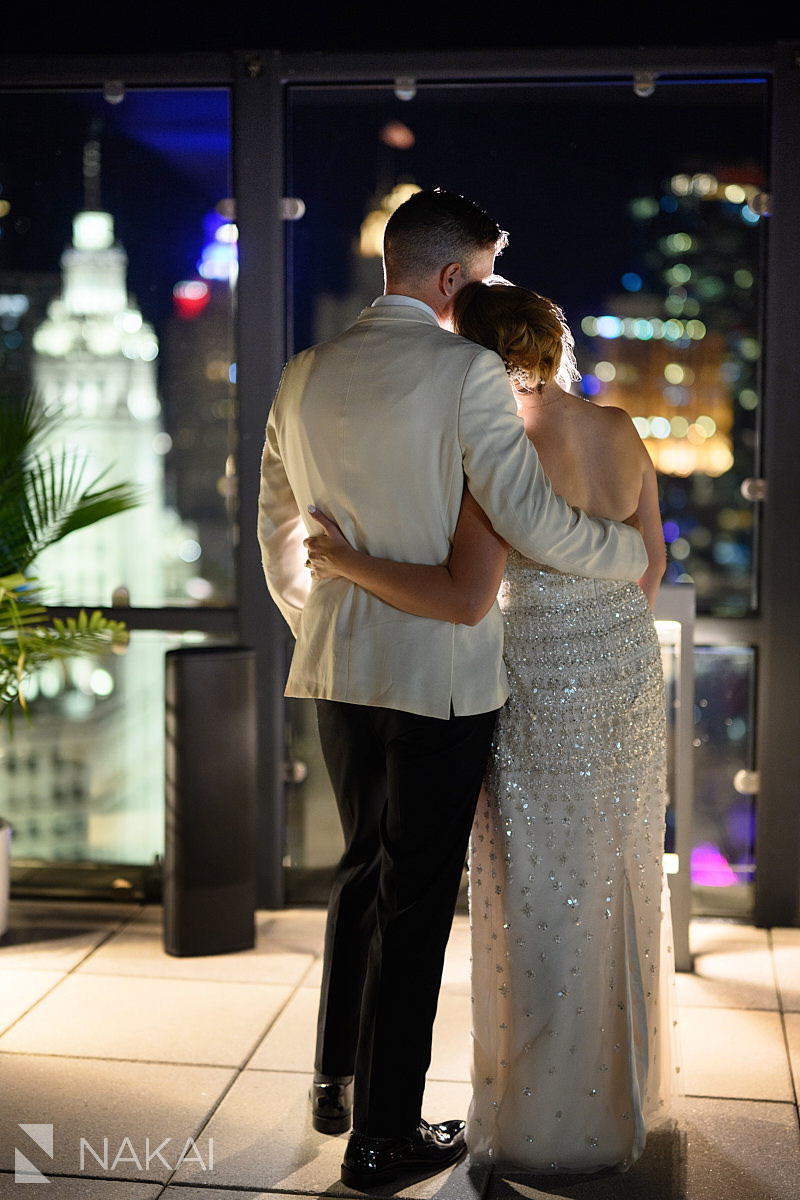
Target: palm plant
44	496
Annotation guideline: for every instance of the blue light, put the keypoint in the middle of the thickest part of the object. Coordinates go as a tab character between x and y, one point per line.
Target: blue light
591	385
219	258
609	327
632	282
232	373
671	532
669	204
730	554
217	261
189	128
749	216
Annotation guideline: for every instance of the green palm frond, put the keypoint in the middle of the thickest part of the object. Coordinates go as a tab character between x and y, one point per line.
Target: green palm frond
44	493
28	640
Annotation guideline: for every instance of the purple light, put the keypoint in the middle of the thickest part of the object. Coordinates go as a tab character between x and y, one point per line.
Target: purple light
710	866
671	531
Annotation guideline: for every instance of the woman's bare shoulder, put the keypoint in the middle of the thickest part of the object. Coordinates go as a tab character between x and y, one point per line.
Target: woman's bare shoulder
610	413
616	439
615	421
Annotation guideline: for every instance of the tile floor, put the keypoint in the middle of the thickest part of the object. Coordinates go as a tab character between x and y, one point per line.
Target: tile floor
117	1061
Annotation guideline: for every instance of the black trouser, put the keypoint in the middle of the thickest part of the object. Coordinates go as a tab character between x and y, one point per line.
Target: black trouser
407	787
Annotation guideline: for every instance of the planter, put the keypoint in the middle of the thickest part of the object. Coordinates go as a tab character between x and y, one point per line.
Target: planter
5	873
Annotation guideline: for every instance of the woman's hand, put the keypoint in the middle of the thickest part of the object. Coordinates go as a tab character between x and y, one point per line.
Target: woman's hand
328	552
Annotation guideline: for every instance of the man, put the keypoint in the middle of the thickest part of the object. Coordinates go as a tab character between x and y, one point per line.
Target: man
379	428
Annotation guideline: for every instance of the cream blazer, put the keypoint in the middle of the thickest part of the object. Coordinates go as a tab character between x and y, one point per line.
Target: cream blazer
378	428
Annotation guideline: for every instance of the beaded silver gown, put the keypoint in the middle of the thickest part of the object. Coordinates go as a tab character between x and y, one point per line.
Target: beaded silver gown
572	966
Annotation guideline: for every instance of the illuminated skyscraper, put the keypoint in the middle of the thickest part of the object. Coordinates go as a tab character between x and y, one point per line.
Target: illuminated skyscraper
678	349
86	782
95	366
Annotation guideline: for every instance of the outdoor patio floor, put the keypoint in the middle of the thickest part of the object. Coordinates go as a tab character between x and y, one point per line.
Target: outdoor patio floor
105	1036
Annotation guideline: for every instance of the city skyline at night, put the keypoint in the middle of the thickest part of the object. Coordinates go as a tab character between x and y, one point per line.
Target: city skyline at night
574	235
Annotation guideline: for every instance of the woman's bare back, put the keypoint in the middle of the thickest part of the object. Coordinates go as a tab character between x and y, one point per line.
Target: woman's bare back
592	455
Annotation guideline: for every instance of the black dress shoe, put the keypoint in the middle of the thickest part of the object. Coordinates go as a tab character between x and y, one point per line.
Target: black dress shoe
369	1162
332	1103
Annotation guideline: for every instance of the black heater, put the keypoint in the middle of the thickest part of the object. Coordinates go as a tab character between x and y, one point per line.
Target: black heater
209	869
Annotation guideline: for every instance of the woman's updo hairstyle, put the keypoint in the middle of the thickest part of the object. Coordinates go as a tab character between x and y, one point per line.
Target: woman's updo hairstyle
528	331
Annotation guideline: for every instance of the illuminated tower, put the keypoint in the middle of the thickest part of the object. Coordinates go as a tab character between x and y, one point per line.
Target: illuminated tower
94	365
87	781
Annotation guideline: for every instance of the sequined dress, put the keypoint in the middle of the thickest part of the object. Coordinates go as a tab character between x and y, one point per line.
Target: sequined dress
572	966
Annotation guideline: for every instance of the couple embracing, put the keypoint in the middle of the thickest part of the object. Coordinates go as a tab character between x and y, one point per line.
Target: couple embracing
400	484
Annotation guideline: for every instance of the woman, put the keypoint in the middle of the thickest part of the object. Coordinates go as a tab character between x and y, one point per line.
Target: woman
572	974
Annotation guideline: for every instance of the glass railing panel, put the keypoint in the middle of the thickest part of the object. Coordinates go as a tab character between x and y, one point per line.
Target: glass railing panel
118	268
82	780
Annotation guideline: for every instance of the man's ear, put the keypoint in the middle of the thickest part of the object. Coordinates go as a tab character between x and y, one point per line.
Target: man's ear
450	279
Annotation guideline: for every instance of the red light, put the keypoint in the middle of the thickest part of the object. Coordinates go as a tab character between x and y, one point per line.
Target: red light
190	298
